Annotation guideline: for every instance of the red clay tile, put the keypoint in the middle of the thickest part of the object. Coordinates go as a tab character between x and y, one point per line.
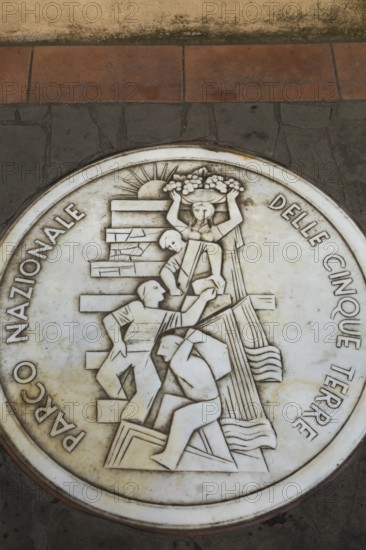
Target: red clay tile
14	71
78	74
350	62
289	72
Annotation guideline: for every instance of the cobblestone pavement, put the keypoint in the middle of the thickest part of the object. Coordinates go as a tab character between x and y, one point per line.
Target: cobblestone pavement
323	142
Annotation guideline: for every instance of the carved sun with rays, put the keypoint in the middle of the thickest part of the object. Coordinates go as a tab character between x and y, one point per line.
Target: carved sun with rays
138	183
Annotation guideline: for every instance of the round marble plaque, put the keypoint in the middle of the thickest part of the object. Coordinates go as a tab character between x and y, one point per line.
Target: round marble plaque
183	338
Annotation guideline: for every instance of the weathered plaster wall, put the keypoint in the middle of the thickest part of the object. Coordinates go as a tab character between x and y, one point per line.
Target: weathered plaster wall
117	21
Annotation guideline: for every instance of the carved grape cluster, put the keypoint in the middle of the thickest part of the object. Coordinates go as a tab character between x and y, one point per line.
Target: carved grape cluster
201	179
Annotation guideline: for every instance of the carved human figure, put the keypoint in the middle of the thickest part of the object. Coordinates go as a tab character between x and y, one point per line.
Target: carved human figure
183	255
203	227
145	321
198	384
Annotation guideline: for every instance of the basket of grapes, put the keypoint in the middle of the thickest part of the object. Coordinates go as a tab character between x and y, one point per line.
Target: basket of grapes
202	186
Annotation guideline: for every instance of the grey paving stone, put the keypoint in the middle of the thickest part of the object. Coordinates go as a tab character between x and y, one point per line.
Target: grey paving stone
348	139
75	531
355	201
197	122
312	157
305	116
33	113
153	123
74	140
108	121
281	152
7	113
16	499
22	156
351	110
251	127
